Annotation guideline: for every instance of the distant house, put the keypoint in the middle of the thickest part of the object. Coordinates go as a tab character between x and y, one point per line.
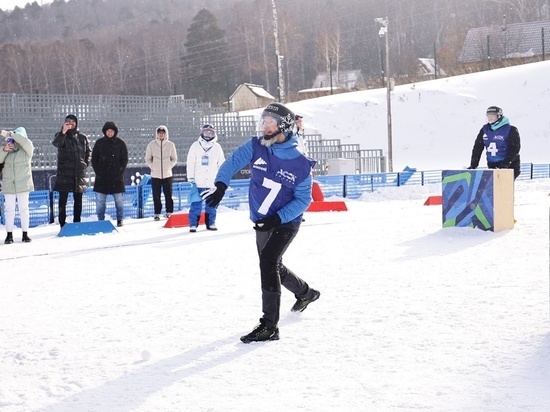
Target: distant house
512	41
249	96
426	67
342	81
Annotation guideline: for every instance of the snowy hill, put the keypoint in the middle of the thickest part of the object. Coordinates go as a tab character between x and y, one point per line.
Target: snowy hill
412	317
435	122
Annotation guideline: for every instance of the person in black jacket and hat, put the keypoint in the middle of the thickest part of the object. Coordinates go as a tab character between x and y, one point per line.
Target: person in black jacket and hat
73	158
501	142
109	160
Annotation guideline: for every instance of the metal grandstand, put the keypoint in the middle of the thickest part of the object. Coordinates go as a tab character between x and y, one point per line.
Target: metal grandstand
137	118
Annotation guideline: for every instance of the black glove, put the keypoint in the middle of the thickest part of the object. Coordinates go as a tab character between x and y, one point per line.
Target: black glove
214	195
265	224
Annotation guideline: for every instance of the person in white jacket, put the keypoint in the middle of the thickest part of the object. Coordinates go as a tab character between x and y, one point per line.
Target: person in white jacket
204	158
161	157
17	183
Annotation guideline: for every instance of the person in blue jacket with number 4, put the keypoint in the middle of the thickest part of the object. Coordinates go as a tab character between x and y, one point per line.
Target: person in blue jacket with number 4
501	142
279	193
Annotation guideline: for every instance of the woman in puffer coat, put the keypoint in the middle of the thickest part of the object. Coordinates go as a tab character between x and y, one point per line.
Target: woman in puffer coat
17	180
161	157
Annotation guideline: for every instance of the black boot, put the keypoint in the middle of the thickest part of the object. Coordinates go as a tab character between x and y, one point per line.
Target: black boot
26	238
301	304
261	333
9	238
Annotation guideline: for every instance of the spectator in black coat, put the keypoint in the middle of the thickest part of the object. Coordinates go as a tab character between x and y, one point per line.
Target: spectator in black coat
109	160
73	158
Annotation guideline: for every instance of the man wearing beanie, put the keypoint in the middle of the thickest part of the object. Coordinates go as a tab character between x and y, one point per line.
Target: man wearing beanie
73	158
109	160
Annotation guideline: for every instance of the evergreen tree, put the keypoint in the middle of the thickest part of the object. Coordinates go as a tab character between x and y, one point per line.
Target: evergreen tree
206	60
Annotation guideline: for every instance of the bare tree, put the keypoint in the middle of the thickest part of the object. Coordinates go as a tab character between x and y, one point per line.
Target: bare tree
13	55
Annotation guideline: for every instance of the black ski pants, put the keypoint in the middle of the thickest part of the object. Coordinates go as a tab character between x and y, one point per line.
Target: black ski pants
166	186
77	207
271	247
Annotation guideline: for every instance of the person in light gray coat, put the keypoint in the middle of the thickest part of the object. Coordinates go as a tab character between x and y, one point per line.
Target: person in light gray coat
161	157
17	180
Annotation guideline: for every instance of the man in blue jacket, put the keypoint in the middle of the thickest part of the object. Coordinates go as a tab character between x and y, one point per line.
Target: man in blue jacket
279	193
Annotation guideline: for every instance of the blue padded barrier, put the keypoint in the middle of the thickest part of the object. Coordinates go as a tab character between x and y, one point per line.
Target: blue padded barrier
87	228
138	202
404	176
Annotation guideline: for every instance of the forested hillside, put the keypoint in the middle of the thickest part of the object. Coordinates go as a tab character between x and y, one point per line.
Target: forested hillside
204	49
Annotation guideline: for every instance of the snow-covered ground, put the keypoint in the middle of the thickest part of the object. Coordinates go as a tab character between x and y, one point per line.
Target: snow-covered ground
412	317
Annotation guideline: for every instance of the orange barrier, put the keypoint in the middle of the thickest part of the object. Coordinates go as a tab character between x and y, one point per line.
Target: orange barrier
433	200
336	206
317	193
182	220
320	205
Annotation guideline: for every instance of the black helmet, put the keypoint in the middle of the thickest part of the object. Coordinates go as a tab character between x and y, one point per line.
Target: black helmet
208	132
495	110
284	116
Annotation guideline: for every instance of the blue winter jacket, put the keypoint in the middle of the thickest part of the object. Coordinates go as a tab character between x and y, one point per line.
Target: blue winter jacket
294	207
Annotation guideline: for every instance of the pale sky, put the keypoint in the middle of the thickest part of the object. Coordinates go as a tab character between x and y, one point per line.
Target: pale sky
10	4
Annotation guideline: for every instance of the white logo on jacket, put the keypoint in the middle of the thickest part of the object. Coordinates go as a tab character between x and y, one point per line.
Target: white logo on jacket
283	174
260	164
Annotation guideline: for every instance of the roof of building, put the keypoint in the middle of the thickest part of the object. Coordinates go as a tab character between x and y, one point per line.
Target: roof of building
256	89
347	79
428	65
509	41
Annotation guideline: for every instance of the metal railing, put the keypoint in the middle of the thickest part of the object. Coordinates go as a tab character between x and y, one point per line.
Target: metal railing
137	118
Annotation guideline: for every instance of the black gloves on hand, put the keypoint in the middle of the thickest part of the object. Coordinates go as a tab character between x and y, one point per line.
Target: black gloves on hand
214	196
265	224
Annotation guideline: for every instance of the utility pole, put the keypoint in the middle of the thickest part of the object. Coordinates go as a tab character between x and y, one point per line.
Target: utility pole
330	73
280	74
385	33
